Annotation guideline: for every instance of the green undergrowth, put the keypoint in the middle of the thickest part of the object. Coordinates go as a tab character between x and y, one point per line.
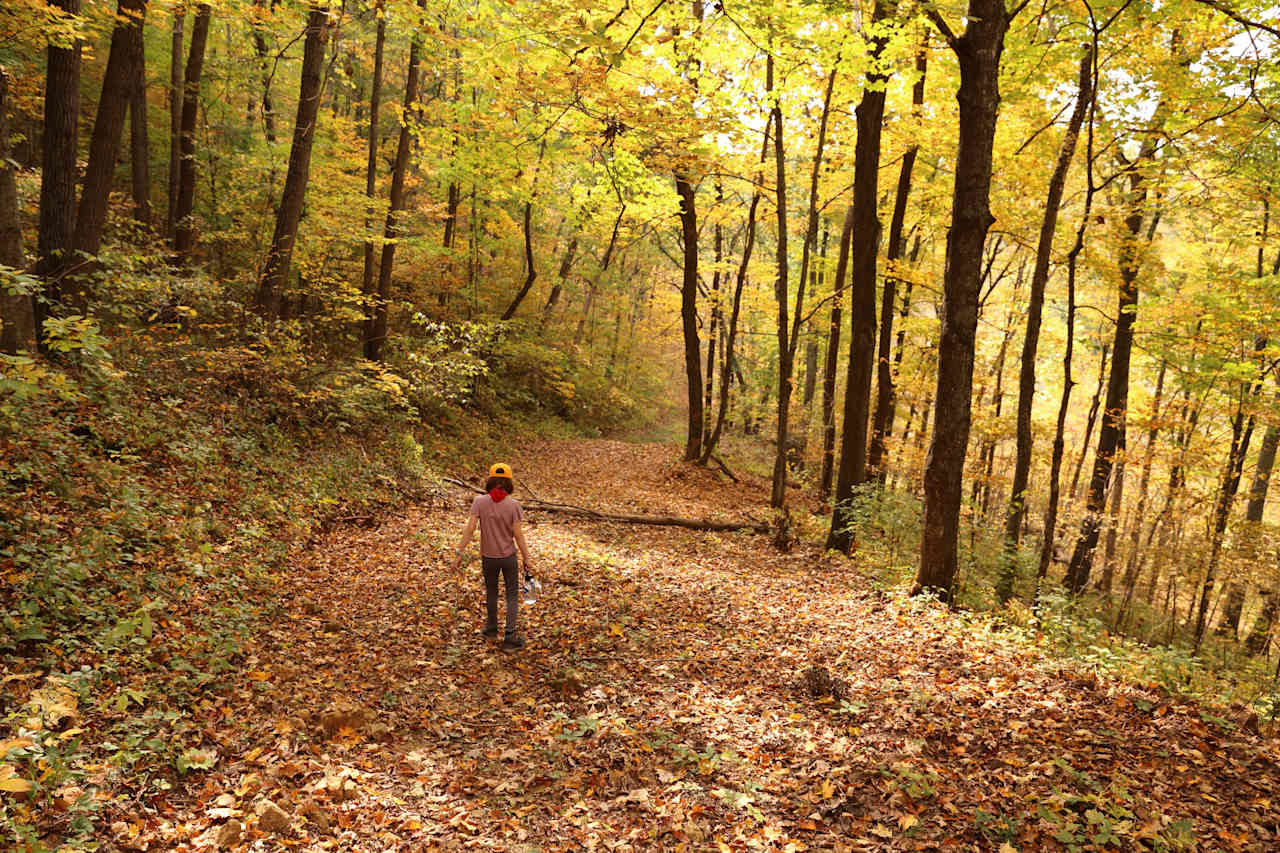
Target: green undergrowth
154	486
1081	631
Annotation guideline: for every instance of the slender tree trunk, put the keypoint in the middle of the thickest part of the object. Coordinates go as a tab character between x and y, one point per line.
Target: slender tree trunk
376	329
175	117
1241	435
1109	552
15	309
1134	564
689	315
833	358
978	51
566	264
781	292
1031	340
184	228
749	242
817	280
1092	418
310	91
716	314
862	299
886	397
58	173
1111	435
531	272
264	65
370	272
807	272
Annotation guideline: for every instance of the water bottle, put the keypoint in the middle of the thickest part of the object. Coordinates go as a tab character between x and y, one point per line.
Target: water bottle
530	589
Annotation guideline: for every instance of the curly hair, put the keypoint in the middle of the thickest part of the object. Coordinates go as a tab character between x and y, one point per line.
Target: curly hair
503	483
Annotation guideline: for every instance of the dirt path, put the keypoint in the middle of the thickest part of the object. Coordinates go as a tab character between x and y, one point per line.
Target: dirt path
656	704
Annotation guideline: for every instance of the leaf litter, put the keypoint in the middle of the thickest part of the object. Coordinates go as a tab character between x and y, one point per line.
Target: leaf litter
666	700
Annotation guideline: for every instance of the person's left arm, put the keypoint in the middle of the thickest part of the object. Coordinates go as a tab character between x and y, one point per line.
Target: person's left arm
467	533
517	532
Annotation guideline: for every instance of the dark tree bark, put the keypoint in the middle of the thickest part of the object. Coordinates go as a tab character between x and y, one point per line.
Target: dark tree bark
58	173
886	399
604	268
310	91
978	50
371	166
833	358
689	315
184	228
175	117
118	83
139	145
1031	340
531	272
15	310
566	264
781	293
862	298
376	328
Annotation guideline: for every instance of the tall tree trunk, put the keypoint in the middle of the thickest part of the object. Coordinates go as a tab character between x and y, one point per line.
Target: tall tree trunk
310	91
807	270
689	315
118	83
833	358
139	146
15	309
259	13
978	51
862	298
817	279
184	228
716	316
749	242
886	398
371	168
58	173
781	293
1031	340
1117	502
175	117
376	328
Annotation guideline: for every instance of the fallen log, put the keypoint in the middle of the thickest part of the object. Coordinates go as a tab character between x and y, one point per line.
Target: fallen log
652	520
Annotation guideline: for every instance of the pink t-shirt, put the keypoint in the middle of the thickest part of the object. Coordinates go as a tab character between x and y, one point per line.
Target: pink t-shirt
497	539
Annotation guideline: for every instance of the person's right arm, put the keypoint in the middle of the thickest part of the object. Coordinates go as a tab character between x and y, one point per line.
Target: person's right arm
467	533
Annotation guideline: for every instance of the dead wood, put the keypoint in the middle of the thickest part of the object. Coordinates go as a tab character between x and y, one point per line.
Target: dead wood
654	520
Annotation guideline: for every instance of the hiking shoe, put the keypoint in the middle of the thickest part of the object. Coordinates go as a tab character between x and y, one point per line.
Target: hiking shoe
490	633
512	642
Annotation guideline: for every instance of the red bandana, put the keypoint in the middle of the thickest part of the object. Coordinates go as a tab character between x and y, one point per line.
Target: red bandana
497	494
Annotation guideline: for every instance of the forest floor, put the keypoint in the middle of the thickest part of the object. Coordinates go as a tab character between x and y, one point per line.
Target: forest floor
660	704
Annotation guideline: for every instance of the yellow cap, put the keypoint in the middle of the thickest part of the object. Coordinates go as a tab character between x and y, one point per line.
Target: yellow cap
501	469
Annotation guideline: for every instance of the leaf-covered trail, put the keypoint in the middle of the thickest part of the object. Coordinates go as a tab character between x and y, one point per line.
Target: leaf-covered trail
656	704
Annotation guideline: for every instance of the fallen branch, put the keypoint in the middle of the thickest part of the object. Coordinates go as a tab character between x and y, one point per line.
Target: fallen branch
723	467
654	520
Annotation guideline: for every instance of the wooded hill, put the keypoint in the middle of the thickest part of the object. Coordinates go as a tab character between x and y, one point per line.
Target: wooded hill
990	291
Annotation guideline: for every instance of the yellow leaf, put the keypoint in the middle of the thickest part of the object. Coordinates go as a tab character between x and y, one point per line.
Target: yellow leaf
907	821
15	743
882	831
1006	847
828	789
10	782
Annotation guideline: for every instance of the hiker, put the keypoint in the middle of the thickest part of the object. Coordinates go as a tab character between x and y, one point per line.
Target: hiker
500	518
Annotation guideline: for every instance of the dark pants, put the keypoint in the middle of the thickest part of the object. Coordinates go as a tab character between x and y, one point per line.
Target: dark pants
510	568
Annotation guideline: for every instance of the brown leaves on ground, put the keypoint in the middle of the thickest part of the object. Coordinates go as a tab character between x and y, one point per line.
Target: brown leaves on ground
656	704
